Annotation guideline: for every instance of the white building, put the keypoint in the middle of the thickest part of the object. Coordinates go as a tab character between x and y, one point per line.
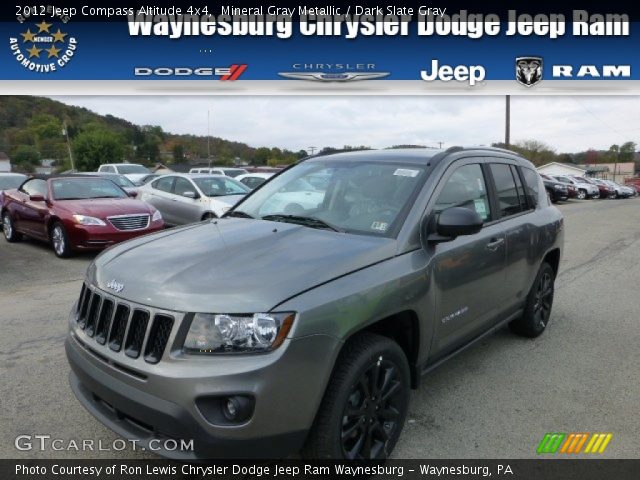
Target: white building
557	168
5	163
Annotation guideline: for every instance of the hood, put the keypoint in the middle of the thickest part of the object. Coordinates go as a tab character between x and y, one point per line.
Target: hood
103	207
233	265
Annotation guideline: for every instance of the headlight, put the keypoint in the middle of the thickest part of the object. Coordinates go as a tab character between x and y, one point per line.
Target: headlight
221	333
558	187
84	220
156	216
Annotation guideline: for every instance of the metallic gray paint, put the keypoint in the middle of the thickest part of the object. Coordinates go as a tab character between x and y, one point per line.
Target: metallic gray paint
337	283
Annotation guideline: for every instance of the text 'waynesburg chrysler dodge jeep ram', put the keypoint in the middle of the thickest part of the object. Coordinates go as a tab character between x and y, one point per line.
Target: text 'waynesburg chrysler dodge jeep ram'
301	326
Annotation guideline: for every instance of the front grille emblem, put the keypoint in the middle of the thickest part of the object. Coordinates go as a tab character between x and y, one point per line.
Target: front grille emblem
115	285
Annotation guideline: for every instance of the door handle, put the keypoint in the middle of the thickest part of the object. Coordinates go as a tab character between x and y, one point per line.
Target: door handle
494	243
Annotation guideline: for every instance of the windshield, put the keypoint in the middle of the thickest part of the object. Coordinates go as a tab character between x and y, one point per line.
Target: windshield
220	186
132	168
84	188
121	180
355	197
11	181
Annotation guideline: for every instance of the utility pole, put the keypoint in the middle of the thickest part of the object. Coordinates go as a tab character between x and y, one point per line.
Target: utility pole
65	132
313	149
208	137
507	124
439	144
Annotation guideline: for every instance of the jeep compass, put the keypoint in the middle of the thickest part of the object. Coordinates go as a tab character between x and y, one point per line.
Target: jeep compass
302	325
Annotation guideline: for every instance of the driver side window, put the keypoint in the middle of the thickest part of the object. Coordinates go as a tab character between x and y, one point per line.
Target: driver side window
465	188
35	187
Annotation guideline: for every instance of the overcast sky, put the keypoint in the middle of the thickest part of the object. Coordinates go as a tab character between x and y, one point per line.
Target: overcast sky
568	124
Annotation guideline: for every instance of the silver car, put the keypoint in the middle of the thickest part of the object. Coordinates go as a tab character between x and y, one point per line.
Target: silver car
184	198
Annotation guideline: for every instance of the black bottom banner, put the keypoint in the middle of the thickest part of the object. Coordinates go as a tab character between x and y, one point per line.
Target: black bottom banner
583	469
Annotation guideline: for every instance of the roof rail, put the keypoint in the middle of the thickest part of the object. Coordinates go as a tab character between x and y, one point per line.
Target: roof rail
455	148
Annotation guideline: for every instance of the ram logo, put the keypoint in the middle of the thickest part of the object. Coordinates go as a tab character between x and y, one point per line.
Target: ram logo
528	70
592	71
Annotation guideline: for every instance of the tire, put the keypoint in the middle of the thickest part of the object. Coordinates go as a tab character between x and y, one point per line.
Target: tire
208	216
582	194
538	307
355	420
10	233
60	241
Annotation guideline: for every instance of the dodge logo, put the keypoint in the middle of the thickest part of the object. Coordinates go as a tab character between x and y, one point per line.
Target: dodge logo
115	286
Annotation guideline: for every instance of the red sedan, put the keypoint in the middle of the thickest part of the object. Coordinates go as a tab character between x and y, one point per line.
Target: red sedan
75	213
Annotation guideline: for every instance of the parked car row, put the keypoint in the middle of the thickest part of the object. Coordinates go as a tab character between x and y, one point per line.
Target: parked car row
563	187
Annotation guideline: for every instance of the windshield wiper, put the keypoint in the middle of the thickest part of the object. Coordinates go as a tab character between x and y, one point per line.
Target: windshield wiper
300	220
239	213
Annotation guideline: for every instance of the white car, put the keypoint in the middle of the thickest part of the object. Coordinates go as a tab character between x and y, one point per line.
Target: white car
254	180
294	199
133	171
622	191
229	172
183	198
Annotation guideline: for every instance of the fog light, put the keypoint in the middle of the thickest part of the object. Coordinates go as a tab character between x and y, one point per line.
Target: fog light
231	409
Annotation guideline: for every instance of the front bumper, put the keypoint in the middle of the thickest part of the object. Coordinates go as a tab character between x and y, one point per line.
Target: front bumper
287	386
88	237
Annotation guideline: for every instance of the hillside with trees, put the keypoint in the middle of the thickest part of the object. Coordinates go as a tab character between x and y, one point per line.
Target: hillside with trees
35	128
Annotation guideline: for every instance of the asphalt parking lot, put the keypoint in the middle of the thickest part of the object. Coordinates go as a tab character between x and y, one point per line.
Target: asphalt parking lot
495	400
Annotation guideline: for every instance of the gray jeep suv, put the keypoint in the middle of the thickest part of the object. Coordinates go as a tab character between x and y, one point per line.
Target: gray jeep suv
300	320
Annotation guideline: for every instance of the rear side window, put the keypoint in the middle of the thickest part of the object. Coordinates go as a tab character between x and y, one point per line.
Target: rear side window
163	184
506	189
465	188
531	185
519	188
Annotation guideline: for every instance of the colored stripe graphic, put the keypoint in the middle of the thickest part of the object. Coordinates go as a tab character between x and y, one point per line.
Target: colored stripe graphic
572	443
234	72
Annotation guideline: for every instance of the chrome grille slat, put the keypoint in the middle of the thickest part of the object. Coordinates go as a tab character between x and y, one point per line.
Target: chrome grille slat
122	327
130	222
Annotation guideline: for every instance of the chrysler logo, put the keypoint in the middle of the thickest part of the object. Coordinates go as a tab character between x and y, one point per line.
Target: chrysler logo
334	77
115	285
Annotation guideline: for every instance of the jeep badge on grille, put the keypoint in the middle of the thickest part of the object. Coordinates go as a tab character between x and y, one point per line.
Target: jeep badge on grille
115	285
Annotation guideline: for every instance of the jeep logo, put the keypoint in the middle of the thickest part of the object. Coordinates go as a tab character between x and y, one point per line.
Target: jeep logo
115	285
462	73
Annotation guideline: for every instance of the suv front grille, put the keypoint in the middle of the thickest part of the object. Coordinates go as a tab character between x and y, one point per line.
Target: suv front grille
130	222
124	327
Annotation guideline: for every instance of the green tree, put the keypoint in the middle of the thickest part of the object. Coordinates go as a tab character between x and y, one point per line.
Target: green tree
95	147
627	151
178	153
27	157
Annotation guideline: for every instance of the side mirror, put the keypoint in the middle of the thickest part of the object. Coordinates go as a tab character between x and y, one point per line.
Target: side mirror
36	197
132	193
190	194
453	222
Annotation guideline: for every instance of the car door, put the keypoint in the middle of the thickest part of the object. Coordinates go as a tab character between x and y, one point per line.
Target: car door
514	212
186	209
158	194
468	272
33	214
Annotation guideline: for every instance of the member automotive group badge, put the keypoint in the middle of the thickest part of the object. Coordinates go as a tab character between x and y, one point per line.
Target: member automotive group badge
528	70
43	47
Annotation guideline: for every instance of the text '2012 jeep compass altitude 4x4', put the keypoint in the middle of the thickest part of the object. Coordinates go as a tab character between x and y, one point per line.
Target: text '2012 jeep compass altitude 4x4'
302	325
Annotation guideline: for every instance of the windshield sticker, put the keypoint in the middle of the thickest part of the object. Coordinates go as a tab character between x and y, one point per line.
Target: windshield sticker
406	172
380	226
480	207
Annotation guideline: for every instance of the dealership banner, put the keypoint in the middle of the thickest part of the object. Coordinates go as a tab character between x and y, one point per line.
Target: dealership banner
351	48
